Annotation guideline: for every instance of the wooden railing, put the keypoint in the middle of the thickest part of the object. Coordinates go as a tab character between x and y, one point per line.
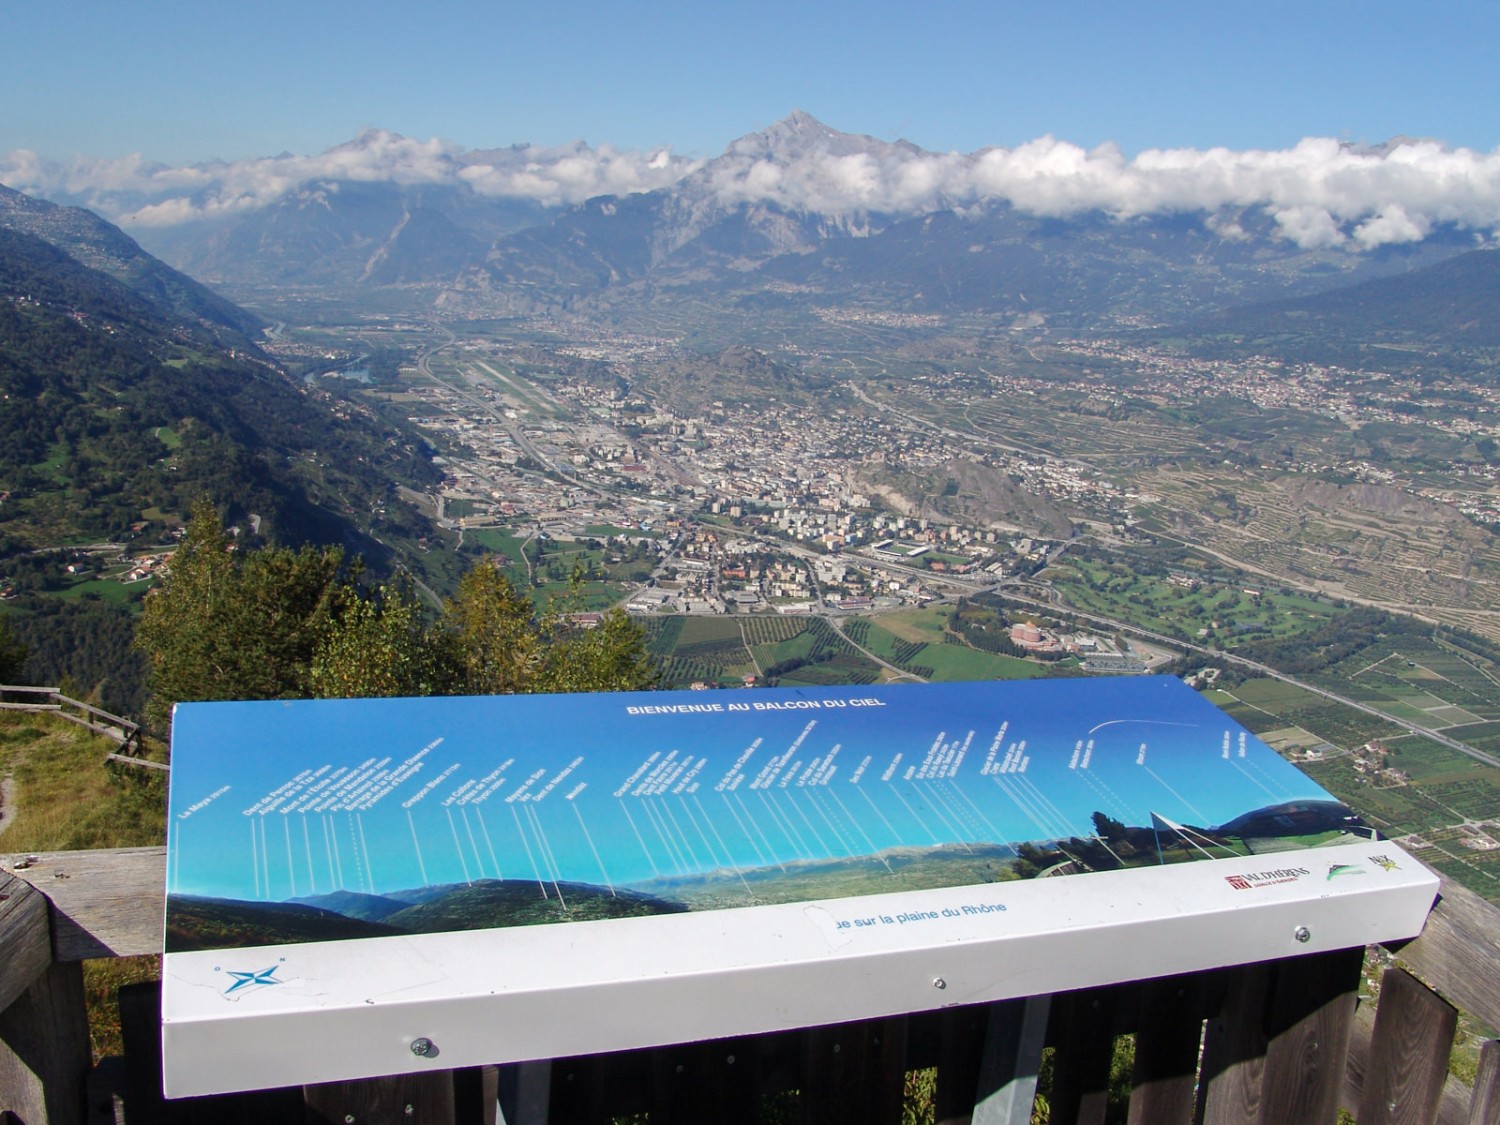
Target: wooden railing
1275	1043
53	702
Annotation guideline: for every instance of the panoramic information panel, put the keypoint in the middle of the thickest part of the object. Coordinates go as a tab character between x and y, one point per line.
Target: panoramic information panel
511	877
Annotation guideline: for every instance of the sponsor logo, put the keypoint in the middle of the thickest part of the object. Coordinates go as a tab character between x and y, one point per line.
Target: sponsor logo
1385	863
253	978
1337	869
1257	880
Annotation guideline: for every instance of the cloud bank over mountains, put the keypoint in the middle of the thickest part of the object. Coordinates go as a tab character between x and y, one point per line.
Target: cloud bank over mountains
1320	193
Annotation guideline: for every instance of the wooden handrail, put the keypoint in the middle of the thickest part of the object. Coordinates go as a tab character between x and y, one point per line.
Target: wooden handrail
96	719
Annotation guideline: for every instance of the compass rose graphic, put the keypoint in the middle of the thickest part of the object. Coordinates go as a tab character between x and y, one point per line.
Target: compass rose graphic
249	980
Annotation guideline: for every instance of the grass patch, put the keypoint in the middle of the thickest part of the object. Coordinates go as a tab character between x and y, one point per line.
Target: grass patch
921	625
107	590
66	798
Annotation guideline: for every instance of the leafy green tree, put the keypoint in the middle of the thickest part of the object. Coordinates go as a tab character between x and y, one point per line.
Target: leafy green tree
493	630
282	624
611	656
380	646
223	625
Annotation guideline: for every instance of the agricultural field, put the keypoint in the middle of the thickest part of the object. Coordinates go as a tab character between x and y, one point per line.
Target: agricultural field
1443	805
917	641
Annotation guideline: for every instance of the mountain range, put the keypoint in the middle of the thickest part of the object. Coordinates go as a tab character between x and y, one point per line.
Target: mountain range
798	214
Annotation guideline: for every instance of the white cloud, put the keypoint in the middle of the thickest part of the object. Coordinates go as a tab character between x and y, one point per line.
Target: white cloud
1318	193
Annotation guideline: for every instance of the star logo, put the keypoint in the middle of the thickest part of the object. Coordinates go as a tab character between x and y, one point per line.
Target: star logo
249	980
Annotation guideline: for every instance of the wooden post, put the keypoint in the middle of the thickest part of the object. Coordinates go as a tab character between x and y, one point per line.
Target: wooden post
961	1047
1169	1034
1485	1108
44	1050
1234	1051
1083	1035
25	939
1409	1055
1311	1014
854	1072
401	1099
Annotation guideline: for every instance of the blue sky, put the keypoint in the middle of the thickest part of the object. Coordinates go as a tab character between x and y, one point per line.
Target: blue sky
182	82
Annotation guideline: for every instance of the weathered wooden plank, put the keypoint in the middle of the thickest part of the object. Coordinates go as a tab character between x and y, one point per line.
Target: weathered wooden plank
1169	1033
1082	1032
28	689
695	1082
31	707
124	759
1457	1097
476	1095
1310	1017
853	1072
1485	1108
104	903
961	1046
44	1051
400	1099
1234	1050
25	942
1458	952
1409	1055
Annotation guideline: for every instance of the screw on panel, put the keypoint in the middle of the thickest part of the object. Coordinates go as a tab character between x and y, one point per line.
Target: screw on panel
424	1048
939	983
1302	934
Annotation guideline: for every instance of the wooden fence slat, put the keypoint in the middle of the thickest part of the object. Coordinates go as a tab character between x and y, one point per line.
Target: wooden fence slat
476	1094
526	1092
25	938
1485	1108
1169	1034
1234	1051
1082	1035
1311	1013
713	1081
44	1051
399	1099
851	1072
961	1047
104	903
1459	953
1014	1038
126	760
1409	1055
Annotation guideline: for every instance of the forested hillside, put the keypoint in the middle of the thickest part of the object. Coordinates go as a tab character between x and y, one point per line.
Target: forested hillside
115	417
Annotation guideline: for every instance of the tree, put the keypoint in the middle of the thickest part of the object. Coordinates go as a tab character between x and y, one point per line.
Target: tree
490	624
611	656
283	624
380	646
226	625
